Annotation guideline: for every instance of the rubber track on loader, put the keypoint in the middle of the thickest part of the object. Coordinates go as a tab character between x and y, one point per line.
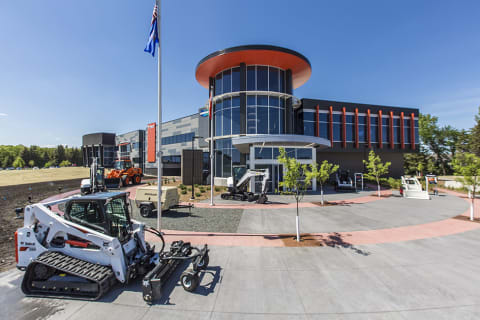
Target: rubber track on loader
100	278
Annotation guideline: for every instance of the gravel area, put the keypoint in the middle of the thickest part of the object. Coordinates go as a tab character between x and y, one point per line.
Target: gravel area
196	219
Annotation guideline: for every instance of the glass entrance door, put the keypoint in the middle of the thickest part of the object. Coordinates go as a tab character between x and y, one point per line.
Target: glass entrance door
276	175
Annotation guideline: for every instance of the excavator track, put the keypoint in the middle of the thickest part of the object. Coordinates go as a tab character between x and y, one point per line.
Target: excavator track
54	274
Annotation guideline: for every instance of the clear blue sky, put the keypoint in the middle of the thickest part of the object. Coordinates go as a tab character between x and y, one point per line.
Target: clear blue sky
73	67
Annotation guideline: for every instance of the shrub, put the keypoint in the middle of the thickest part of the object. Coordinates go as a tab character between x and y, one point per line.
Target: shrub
394	183
173	180
217	189
182	186
197	194
65	163
208	188
189	188
195	185
183	191
202	189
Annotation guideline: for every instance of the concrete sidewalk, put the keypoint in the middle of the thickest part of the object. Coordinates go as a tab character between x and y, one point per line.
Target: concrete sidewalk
433	278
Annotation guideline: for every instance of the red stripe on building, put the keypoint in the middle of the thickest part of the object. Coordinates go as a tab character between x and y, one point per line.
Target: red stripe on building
369	140
392	142
331	126
379	127
152	143
412	130
344	127
402	132
357	138
318	121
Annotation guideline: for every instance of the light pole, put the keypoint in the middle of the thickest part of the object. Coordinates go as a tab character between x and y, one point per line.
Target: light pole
193	167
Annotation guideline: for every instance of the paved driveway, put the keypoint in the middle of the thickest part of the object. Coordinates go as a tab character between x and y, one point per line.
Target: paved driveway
433	278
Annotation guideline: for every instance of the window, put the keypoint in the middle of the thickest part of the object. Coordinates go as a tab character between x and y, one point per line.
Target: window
236	120
218	84
251	79
262	78
385	129
337	127
227	121
263	153
406	130
324	125
227	81
116	210
282	81
262	120
362	128
309	128
180	138
274	127
373	129
304	153
88	214
273	79
235	79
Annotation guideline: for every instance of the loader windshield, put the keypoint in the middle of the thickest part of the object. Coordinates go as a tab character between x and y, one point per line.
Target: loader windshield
122	165
117	213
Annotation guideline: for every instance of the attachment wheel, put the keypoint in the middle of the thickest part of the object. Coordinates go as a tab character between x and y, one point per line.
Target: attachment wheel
145	211
203	263
189	280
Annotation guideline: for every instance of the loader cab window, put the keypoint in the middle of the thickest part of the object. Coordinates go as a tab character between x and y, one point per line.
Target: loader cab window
88	214
239	172
123	165
119	221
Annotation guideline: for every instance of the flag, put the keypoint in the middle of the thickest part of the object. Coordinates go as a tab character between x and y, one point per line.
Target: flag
153	38
210	107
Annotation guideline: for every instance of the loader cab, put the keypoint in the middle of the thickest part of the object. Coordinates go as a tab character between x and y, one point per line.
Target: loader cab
238	173
122	165
105	212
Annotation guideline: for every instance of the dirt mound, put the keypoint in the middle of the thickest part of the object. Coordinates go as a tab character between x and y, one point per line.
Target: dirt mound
16	196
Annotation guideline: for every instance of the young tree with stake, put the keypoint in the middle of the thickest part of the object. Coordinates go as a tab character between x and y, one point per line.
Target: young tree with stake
376	169
322	174
296	179
468	166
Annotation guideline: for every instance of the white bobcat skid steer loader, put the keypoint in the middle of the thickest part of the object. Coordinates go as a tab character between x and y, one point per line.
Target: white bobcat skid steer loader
238	185
83	253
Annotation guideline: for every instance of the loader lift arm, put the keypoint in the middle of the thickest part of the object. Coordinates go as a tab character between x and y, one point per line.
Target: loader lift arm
238	189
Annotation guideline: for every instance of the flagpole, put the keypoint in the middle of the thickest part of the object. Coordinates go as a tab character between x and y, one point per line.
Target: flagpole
159	124
211	146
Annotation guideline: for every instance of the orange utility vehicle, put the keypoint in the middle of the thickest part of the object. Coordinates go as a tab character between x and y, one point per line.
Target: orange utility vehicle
123	174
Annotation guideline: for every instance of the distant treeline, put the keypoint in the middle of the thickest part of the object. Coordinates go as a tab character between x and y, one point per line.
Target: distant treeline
35	156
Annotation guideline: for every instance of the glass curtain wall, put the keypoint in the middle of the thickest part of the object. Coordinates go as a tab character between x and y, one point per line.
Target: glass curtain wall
385	129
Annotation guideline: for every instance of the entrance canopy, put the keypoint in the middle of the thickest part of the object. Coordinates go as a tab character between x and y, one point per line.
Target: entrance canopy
288	140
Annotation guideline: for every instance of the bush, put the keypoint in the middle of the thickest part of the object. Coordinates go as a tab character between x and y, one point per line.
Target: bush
189	188
197	194
49	164
217	189
183	191
173	180
208	188
394	183
202	189
65	163
195	185
182	186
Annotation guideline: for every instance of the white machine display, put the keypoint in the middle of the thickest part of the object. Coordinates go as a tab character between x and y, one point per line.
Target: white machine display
96	182
83	252
238	184
411	188
343	181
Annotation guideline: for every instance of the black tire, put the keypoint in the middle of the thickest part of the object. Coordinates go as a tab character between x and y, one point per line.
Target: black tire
251	197
124	181
203	263
189	280
146	211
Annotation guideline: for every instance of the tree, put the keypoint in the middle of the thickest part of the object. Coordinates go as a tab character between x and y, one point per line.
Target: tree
375	169
296	179
467	165
31	163
475	136
18	163
323	173
65	163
